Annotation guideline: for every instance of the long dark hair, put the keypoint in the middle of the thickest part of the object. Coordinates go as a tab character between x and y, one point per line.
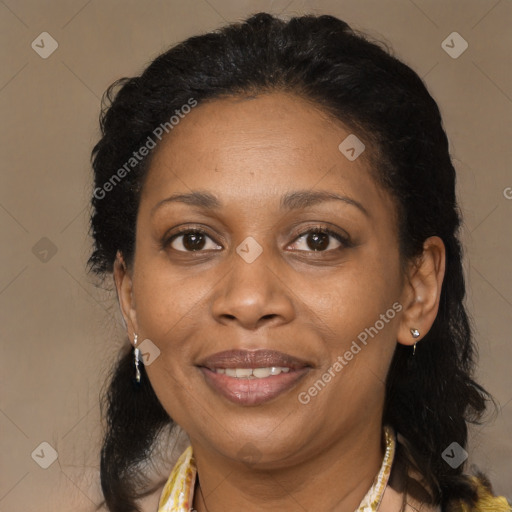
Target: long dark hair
430	397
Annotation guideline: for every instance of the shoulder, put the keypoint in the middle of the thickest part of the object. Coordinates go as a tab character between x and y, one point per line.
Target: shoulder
486	502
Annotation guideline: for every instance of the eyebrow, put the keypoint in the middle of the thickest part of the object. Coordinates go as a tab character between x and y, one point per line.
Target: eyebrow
290	201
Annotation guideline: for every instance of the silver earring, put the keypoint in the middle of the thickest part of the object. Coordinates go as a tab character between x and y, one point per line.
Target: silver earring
136	354
415	333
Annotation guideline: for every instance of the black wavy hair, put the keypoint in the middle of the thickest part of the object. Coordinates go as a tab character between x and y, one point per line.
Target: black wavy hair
431	397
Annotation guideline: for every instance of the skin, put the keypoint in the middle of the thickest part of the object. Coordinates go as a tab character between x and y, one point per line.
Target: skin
310	304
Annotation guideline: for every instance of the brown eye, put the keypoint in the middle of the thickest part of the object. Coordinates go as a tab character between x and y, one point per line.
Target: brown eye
320	239
196	240
190	240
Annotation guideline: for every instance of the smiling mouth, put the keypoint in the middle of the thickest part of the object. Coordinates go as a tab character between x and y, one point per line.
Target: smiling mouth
250	378
249	390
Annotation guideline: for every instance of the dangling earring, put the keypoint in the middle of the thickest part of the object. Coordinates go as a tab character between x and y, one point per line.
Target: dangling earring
136	353
415	333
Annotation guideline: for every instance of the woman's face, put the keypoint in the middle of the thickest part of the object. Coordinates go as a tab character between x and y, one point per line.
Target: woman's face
260	281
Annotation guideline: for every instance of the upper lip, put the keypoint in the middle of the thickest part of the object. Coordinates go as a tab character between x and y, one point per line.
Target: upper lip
252	359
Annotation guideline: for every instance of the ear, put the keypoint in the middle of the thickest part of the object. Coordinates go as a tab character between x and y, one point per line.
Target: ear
422	291
124	287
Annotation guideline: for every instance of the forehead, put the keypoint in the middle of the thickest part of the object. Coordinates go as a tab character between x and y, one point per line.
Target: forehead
251	148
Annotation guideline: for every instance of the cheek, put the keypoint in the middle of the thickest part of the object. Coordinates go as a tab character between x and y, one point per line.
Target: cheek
360	327
358	308
166	301
354	297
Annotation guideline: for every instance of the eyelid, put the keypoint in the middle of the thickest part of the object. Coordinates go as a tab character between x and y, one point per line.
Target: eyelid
189	228
324	227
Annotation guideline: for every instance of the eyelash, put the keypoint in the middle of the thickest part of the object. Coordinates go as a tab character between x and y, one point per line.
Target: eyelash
345	241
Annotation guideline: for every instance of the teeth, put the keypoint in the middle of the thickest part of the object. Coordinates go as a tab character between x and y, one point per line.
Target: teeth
262	372
251	373
243	372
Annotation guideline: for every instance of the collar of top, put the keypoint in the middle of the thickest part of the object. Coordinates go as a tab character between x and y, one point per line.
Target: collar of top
178	492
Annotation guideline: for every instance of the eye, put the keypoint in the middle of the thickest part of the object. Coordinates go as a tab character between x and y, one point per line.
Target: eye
319	239
192	240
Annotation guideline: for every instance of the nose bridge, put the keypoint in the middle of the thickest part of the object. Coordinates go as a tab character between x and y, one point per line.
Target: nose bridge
251	276
251	289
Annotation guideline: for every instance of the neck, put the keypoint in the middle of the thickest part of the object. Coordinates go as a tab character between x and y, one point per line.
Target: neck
336	478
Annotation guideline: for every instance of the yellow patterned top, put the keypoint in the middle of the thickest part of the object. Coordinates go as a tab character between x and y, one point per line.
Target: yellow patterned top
487	502
178	492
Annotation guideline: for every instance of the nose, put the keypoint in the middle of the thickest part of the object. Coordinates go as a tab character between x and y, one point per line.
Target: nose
253	294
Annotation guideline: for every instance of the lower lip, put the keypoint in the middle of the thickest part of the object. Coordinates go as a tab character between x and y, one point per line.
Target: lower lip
252	391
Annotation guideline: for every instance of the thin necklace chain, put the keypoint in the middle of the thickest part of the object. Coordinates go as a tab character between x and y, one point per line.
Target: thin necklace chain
208	510
202	497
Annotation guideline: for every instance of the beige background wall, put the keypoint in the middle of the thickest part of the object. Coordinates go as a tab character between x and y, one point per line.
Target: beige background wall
59	332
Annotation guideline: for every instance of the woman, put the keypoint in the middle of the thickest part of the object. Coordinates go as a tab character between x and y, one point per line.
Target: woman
276	202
